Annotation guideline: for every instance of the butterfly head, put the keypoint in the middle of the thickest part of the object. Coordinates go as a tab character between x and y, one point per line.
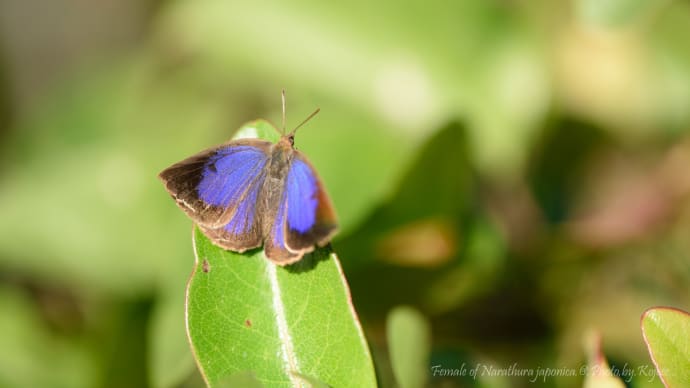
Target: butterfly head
286	142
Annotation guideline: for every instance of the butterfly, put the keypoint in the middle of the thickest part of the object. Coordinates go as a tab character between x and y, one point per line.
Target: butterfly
247	193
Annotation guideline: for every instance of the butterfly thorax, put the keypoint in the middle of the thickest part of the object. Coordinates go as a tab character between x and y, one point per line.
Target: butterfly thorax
281	157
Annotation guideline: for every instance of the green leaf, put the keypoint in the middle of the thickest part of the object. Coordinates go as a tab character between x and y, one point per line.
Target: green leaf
243	379
666	333
258	129
245	313
409	342
310	381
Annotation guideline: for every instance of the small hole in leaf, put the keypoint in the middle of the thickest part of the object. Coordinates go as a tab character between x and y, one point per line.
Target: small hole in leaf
205	266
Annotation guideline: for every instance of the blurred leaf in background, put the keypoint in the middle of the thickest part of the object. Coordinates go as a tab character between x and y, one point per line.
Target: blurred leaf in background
515	171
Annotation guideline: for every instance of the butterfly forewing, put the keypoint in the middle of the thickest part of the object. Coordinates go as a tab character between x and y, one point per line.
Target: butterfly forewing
310	219
304	216
211	185
244	229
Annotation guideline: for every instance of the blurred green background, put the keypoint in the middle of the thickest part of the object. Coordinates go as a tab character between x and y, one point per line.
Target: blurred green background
514	170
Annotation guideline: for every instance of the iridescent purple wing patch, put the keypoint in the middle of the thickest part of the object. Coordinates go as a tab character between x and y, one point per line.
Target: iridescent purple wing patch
310	216
302	198
228	174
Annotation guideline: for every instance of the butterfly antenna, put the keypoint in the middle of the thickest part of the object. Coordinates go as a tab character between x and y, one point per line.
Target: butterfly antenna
305	120
283	94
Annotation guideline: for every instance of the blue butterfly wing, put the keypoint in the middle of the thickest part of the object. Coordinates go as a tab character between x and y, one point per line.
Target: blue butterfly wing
244	229
305	216
219	189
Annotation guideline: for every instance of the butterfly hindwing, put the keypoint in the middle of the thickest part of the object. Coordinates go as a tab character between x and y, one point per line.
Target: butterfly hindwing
274	244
